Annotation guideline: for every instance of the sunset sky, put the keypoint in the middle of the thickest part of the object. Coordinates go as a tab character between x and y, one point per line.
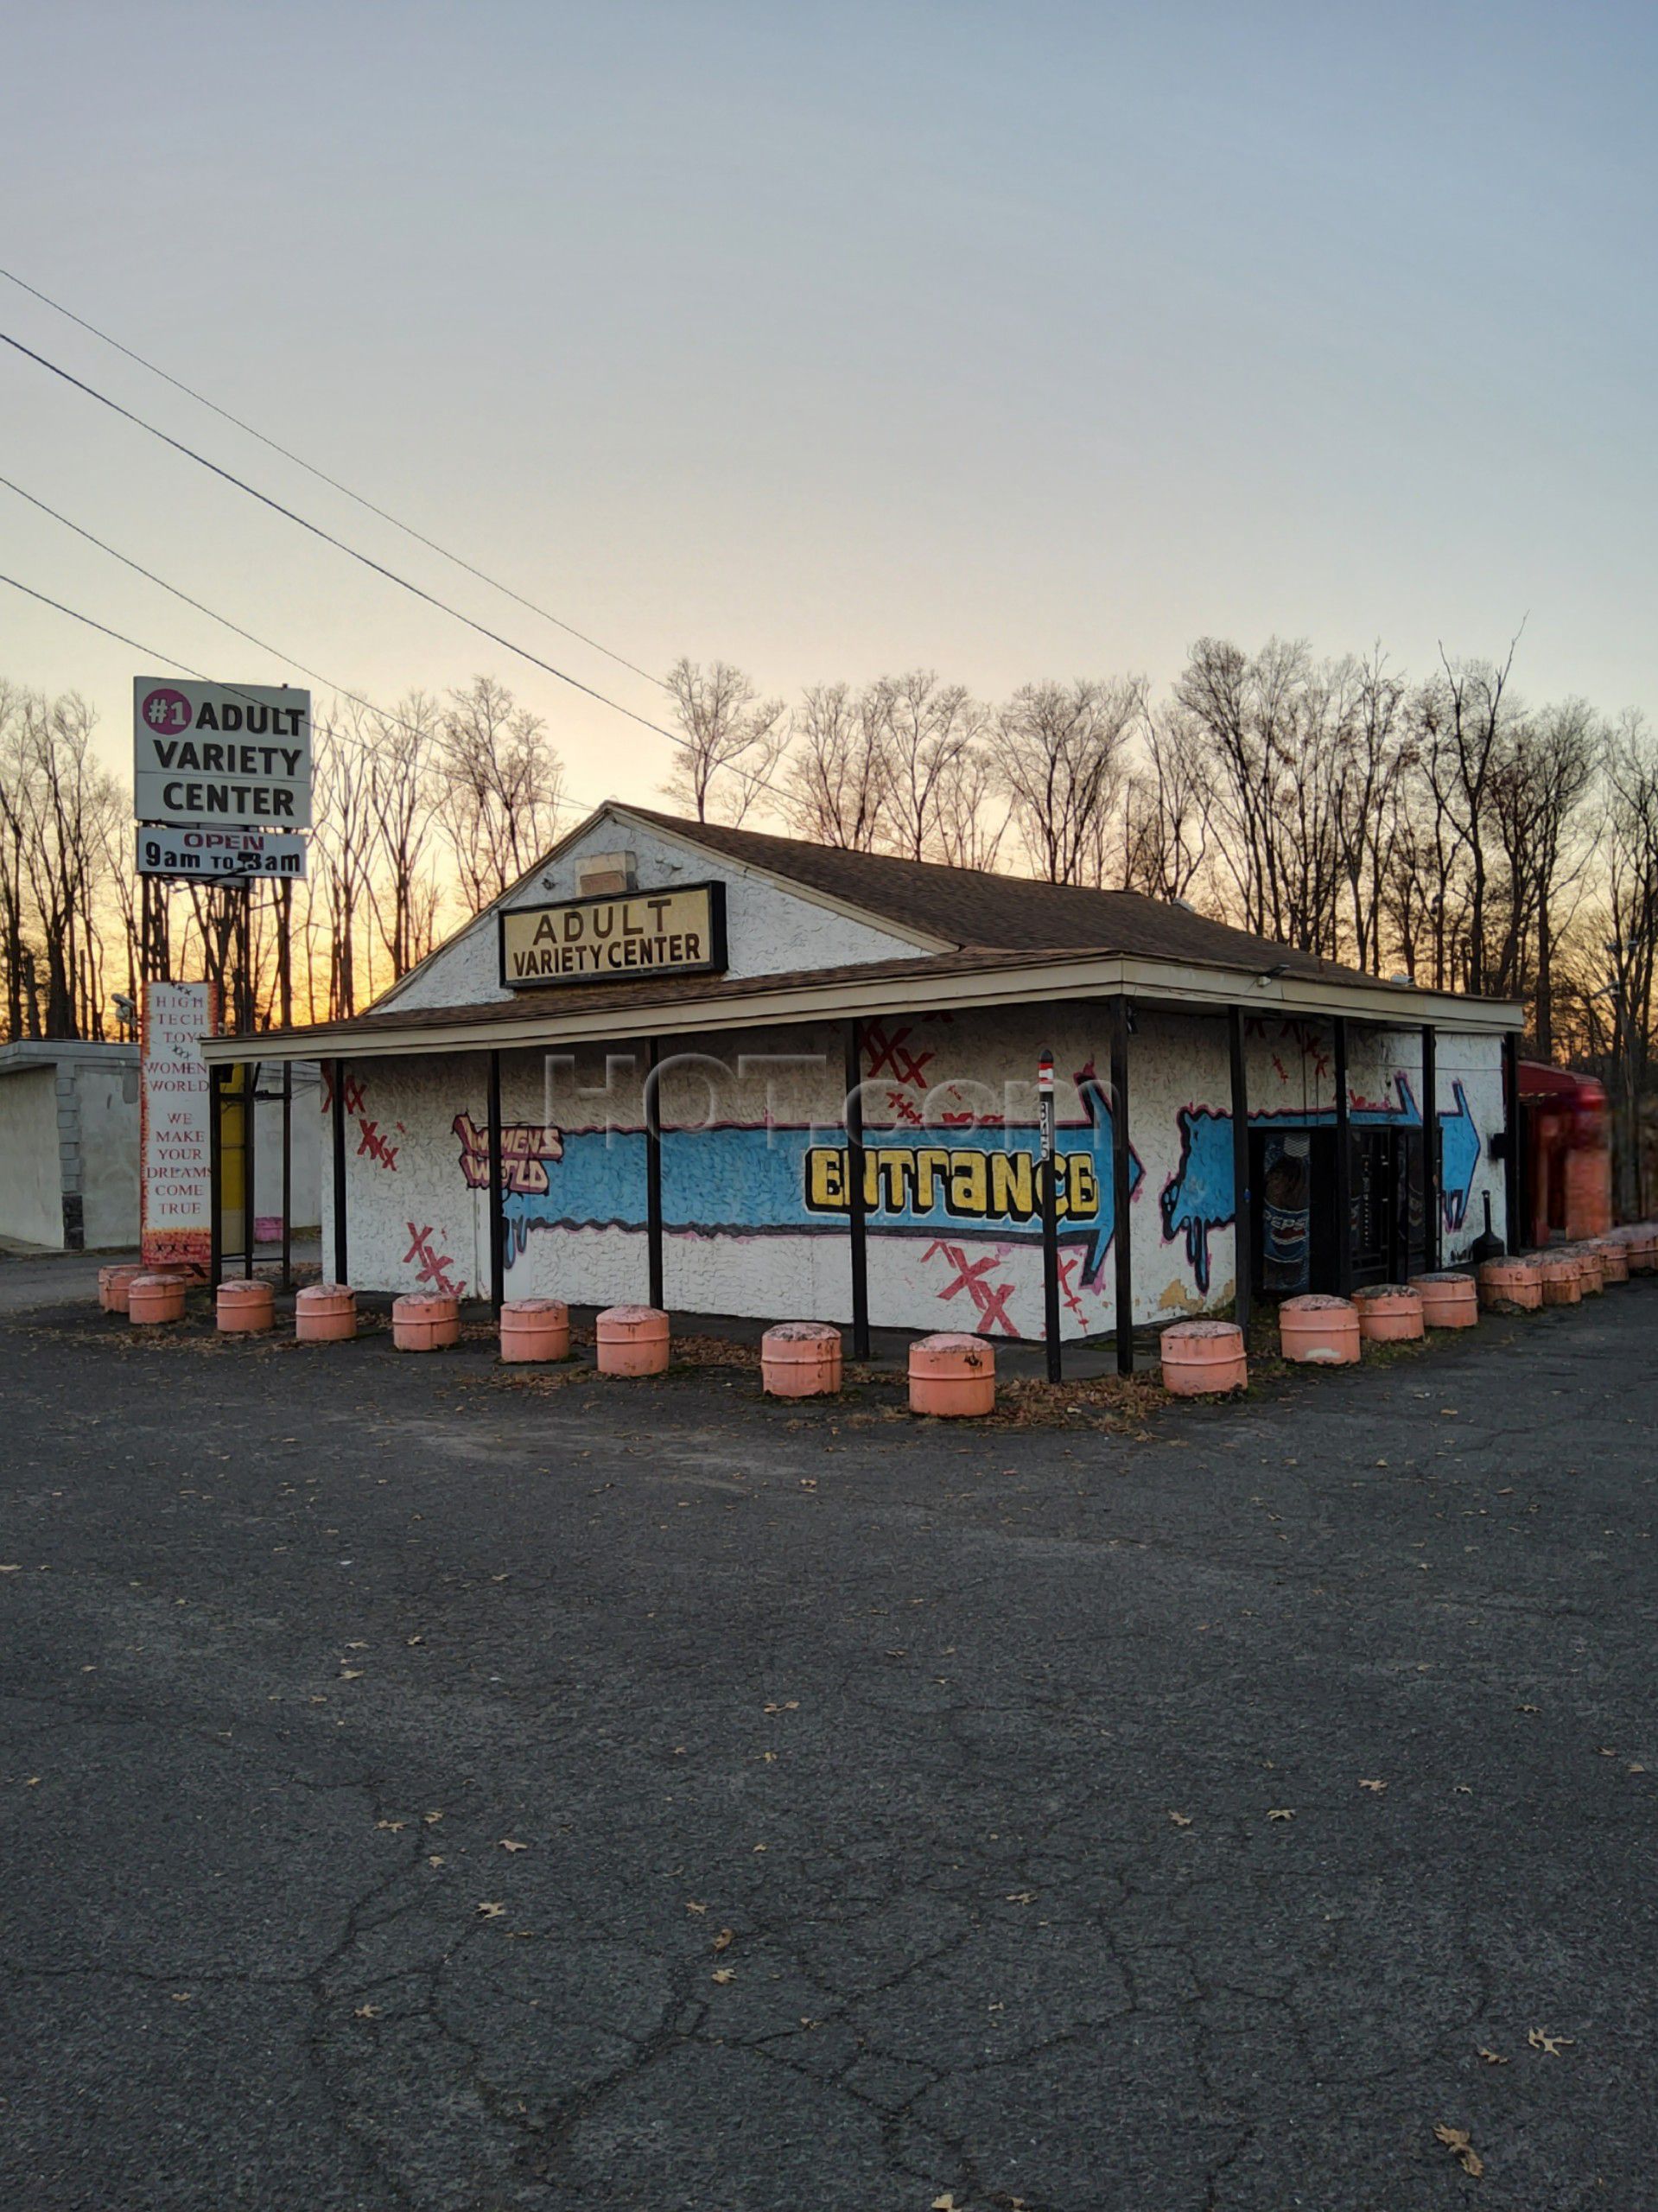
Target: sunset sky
831	339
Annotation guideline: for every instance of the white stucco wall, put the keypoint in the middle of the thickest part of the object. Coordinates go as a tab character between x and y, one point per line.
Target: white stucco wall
108	1098
31	1205
743	1116
769	930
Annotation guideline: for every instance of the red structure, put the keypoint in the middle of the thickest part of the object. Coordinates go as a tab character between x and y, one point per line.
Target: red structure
1566	1157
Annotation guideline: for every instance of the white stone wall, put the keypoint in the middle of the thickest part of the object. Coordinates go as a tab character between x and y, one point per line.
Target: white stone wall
752	1130
769	930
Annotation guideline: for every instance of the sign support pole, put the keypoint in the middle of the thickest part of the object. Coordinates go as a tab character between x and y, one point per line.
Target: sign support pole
1049	1218
856	1228
1518	1237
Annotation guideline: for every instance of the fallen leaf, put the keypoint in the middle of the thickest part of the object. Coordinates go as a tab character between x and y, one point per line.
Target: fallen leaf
1528	1708
511	1843
396	1827
1541	2039
366	2012
691	1905
1280	1812
351	1674
946	2202
180	1996
1492	2057
1181	1820
434	1860
1021	1897
10	1566
491	1911
723	1974
725	1939
1456	2141
430	1820
1377	1787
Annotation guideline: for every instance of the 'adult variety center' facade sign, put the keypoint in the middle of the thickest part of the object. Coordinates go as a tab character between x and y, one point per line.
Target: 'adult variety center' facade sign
221	757
681	932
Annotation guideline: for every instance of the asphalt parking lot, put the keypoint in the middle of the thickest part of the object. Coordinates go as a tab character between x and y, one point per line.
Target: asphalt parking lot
423	1788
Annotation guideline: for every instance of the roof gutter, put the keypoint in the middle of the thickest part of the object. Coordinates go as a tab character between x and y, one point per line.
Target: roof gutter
1177	986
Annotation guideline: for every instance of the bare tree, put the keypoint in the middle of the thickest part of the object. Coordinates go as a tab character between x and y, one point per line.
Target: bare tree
931	727
58	812
1164	810
1060	753
839	774
498	783
972	809
405	891
732	741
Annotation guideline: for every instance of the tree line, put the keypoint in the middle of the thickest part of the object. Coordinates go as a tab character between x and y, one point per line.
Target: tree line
1436	826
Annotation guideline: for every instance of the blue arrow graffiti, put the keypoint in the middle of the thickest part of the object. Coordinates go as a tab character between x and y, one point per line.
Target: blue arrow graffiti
753	1181
1198	1197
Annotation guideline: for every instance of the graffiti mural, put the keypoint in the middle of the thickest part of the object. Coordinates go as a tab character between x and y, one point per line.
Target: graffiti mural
768	1180
1197	1198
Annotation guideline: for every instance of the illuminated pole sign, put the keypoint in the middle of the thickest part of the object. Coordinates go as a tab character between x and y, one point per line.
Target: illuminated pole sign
221	756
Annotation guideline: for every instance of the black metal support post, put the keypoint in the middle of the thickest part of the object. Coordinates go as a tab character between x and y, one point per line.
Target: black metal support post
497	1218
1243	1258
1048	1168
1516	1229
286	1175
216	1175
341	1257
653	1169
1432	1214
858	1241
1121	1188
250	1196
1343	1166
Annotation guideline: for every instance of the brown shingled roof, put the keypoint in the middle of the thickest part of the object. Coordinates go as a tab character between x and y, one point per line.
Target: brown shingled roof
1010	913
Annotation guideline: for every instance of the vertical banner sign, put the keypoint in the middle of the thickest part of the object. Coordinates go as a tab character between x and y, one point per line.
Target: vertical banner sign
175	1138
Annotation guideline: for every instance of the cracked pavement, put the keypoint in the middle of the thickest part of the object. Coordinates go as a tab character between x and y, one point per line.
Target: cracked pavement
908	1812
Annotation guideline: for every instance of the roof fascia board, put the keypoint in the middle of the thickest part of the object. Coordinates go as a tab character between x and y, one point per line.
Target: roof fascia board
1167	983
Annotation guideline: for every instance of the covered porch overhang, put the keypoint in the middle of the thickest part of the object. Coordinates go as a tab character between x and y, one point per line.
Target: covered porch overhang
647	1013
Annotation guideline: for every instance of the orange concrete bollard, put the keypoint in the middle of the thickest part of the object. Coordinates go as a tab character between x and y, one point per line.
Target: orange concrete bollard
1614	1259
1562	1282
325	1313
113	1285
801	1359
245	1308
1319	1331
952	1375
632	1341
153	1299
1511	1286
425	1321
1389	1313
1642	1240
1450	1300
1201	1358
535	1329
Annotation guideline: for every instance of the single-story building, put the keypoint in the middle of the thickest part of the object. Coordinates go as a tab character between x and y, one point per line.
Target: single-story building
740	1074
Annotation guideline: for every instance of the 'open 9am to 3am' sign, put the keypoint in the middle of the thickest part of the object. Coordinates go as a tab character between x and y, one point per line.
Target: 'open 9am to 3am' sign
616	939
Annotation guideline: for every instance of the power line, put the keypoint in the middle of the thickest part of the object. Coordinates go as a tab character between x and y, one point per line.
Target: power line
264	498
339	543
333	482
170	660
